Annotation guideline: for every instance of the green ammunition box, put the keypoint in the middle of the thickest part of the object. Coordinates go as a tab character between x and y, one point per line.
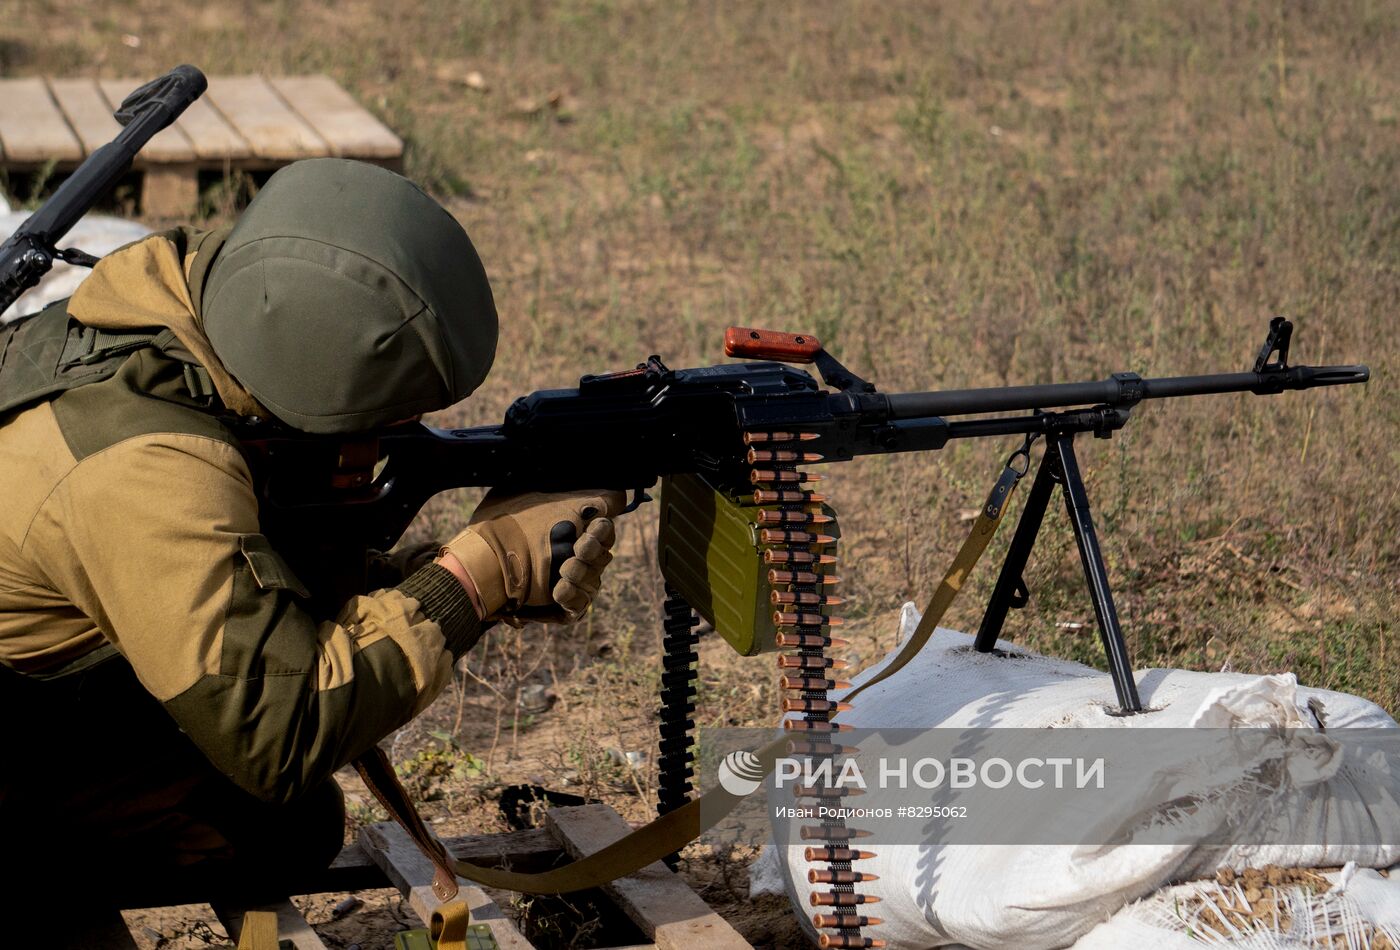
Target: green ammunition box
709	552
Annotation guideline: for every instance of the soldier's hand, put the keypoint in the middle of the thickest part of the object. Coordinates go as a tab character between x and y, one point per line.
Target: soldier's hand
538	556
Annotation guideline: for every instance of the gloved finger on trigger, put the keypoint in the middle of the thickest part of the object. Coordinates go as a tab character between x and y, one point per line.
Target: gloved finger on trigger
607	505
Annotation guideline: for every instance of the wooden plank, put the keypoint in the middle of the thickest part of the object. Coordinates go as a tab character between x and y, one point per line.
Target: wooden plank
291	925
528	850
404	865
260	115
349	129
658	901
167	145
212	138
522	850
86	108
32	130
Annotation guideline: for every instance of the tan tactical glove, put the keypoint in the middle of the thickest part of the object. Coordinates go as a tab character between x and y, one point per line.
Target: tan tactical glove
537	556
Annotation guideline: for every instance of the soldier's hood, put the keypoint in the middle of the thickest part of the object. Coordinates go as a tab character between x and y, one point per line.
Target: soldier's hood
146	284
343	299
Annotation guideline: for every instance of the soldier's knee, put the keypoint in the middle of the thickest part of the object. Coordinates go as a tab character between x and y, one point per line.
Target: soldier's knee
300	838
321	823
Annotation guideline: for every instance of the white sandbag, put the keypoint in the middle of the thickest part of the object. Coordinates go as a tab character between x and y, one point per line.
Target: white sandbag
1360	907
937	894
98	234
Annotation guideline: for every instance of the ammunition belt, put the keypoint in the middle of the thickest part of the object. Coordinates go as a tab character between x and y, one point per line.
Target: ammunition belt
675	766
798	533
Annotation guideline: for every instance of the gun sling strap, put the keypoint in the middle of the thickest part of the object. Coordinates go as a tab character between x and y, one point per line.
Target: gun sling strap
676	829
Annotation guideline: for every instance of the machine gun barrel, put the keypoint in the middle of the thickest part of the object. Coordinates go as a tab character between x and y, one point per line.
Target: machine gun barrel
1121	390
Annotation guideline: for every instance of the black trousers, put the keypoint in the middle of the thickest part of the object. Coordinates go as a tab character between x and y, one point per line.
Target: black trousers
102	795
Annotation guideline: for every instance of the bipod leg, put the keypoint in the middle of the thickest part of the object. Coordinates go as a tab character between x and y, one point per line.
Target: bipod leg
1060	451
1010	590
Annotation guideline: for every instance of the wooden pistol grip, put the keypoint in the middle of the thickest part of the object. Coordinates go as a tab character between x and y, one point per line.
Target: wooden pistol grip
771	345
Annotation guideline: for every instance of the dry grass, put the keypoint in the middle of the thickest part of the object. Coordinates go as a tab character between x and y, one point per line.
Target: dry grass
952	195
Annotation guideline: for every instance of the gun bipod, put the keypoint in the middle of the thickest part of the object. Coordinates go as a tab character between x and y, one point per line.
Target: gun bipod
1060	466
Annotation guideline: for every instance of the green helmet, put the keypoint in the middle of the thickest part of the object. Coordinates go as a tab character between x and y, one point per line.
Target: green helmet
345	298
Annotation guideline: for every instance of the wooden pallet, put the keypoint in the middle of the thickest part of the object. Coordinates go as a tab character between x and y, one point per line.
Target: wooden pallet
658	902
241	123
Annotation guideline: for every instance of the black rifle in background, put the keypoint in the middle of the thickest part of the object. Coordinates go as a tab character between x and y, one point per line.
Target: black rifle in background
29	253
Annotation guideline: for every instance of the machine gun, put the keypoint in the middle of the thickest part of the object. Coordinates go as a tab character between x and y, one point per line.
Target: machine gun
743	540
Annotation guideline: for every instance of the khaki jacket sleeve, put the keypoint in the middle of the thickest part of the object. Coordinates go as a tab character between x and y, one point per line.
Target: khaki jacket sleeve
156	539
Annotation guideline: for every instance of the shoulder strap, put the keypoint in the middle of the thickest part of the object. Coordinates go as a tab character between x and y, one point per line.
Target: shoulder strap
49	352
88	346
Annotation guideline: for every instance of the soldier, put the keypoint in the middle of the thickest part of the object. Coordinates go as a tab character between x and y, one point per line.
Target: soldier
171	704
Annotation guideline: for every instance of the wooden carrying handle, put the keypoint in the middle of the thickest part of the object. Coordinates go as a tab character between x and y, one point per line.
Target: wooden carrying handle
771	345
